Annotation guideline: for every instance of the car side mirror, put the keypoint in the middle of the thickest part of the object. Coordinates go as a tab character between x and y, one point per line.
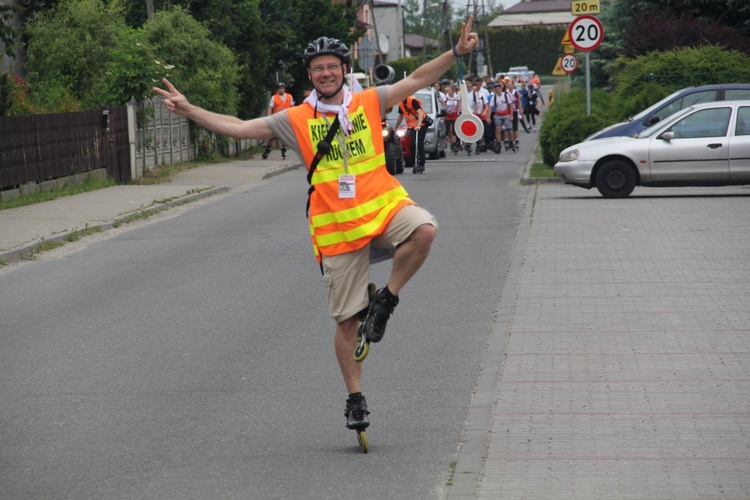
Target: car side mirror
654	120
667	136
442	113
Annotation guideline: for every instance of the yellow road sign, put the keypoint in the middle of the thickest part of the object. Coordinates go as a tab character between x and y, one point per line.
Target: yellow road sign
569	49
584	7
559	71
566	39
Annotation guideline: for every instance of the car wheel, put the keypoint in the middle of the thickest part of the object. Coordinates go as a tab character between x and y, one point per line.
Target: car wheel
392	153
615	179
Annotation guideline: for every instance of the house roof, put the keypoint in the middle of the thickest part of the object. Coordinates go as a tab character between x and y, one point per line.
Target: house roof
537	13
419	42
539	6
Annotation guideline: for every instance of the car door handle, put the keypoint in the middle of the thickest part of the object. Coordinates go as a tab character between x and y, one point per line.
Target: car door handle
715	145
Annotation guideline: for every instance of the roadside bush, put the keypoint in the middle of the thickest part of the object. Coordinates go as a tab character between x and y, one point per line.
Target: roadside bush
405	65
680	68
566	123
625	107
14	96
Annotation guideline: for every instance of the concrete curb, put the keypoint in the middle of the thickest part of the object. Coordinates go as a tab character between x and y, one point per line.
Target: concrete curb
281	170
476	436
530	181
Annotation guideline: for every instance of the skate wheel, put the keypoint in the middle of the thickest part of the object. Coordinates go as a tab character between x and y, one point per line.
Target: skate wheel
361	352
371	289
362	438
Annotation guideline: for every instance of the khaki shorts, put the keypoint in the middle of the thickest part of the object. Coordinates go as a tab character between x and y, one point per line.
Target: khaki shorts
347	275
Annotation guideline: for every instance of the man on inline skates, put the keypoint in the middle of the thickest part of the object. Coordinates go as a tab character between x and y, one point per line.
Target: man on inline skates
354	203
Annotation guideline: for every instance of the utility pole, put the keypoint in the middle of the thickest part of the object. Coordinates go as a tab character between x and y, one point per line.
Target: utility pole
444	26
487	40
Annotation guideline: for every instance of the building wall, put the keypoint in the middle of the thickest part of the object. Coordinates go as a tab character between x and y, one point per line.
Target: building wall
390	23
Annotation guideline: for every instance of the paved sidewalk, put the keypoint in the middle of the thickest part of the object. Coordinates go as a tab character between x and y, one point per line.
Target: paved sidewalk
620	363
23	229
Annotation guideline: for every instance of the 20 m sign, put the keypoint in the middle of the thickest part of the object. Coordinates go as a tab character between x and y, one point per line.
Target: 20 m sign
586	33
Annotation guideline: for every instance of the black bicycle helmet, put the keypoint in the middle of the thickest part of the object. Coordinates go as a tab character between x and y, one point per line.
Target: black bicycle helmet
327	46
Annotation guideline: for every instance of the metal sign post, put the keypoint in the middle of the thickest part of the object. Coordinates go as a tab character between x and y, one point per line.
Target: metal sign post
586	33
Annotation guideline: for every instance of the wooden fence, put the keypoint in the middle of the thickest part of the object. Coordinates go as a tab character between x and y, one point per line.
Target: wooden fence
44	147
38	148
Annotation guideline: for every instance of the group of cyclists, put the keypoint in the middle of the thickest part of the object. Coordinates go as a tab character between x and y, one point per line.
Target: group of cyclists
500	106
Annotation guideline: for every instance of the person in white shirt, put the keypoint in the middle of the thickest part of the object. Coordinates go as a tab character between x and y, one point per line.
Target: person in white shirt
510	88
438	86
502	114
452	109
479	102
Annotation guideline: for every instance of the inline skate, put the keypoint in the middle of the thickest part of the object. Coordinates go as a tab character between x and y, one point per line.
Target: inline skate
357	418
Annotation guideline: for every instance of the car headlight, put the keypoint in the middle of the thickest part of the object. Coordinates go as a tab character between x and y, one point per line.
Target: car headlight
401	132
571	155
385	132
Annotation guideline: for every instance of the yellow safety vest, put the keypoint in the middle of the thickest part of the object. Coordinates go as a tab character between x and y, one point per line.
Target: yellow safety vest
340	225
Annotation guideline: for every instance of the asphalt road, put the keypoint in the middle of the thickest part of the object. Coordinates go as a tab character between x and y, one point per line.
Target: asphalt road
193	357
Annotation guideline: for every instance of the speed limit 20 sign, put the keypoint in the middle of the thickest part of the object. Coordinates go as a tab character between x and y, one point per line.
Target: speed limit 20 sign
569	63
586	33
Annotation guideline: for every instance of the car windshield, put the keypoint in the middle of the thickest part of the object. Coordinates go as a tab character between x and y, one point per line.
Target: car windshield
426	101
666	110
642	114
653	129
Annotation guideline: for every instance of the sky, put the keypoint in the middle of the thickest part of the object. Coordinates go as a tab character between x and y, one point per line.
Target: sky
504	3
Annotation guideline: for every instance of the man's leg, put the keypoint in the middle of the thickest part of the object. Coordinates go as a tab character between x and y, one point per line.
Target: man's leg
345	342
410	256
346	276
412	160
411	232
421	153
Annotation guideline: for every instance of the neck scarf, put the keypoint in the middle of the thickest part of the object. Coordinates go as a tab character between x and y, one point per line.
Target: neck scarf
342	111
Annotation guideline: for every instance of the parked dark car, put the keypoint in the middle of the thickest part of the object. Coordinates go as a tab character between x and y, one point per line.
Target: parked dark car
672	104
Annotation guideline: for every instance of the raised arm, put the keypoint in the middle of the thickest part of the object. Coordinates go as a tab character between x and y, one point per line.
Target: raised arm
429	72
230	126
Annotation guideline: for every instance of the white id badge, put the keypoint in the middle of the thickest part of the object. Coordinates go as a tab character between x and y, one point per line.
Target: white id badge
347	186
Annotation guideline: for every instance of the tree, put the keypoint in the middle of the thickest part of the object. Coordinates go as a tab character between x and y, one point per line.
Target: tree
204	69
636	27
69	47
316	18
8	32
239	25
